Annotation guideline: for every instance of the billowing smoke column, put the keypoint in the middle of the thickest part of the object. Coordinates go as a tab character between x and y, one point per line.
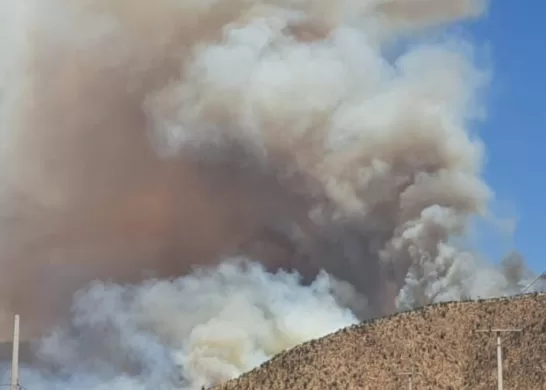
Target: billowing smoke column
147	140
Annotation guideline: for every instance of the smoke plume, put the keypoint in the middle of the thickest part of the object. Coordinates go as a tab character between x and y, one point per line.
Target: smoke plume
148	144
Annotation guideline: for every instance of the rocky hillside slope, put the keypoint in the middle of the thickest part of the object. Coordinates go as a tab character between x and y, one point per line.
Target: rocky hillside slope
438	343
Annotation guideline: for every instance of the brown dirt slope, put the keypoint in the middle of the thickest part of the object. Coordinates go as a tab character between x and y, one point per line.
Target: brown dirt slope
439	343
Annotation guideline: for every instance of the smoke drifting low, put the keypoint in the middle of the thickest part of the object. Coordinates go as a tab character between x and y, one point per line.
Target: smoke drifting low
147	144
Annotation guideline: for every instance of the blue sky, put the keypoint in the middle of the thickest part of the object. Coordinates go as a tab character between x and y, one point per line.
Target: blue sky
514	131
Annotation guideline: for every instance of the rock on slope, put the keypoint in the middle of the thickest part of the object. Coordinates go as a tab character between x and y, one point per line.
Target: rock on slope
438	342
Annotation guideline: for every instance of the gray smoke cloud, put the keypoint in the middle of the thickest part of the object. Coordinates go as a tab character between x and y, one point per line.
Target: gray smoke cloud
193	331
147	144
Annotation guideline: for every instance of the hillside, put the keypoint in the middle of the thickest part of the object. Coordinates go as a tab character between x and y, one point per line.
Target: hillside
438	343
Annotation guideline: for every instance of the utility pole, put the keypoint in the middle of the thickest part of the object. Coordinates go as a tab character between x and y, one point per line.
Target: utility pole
410	378
14	385
498	332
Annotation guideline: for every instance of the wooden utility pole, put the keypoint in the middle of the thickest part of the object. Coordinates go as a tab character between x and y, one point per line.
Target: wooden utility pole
410	378
498	331
14	384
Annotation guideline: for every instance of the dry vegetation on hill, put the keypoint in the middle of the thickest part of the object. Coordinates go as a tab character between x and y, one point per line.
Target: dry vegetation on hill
439	343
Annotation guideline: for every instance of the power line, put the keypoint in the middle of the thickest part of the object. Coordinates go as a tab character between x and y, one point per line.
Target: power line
541	276
498	331
410	378
15	355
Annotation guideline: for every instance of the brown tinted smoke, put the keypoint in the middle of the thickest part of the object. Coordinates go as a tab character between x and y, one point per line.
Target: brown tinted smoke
146	137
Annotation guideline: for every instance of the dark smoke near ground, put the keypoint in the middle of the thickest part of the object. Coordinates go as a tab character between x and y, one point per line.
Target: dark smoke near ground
162	150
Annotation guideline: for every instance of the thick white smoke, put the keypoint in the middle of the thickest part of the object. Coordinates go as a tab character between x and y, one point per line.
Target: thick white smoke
143	142
185	333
